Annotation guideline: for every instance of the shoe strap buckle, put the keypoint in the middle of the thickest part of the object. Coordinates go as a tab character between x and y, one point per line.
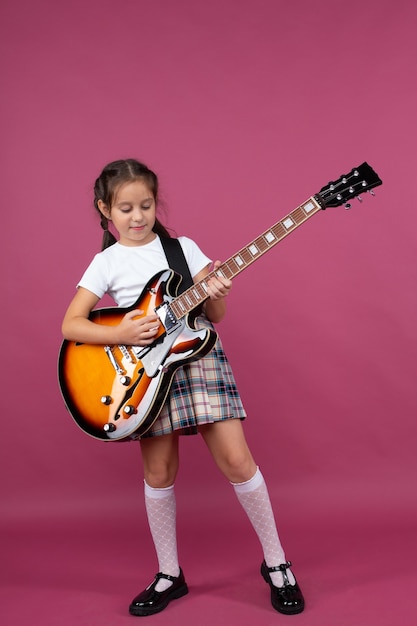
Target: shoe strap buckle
283	569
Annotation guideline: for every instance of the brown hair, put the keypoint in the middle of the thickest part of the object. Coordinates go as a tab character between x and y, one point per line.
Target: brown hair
115	174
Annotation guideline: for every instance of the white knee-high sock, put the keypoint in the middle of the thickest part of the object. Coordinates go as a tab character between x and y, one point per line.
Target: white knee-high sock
254	498
161	510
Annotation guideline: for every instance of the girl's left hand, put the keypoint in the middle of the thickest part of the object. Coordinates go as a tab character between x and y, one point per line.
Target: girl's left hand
218	286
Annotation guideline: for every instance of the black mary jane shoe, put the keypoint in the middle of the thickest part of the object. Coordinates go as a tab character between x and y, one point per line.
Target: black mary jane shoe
287	599
151	601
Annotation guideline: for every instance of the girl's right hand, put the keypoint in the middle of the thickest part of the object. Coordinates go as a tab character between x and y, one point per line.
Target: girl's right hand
137	331
132	330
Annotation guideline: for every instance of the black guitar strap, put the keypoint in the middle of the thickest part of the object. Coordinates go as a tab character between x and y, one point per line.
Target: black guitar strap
177	261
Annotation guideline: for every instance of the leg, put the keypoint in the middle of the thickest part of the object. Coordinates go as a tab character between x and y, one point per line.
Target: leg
160	465
228	446
160	460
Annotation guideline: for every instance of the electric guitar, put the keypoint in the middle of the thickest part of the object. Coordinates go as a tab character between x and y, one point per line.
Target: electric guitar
116	392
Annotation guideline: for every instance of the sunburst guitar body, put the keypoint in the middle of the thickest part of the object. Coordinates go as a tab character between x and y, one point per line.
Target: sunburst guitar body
117	392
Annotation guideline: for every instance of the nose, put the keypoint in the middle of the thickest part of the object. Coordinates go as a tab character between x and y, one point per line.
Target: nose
137	214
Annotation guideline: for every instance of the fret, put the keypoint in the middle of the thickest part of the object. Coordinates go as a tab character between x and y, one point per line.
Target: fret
253	249
227	270
279	231
233	266
288	223
308	206
262	244
201	292
296	215
196	294
178	308
269	237
246	256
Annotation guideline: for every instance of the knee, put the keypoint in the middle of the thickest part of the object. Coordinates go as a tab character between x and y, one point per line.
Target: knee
160	475
227	444
160	461
238	468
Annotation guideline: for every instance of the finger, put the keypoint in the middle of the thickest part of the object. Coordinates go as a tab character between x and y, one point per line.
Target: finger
135	313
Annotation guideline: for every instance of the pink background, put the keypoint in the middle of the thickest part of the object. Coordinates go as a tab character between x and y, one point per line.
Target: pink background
245	109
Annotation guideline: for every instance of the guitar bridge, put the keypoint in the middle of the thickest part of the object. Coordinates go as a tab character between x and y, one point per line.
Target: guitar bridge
109	352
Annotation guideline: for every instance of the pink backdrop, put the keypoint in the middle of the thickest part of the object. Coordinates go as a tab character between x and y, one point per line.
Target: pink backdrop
245	109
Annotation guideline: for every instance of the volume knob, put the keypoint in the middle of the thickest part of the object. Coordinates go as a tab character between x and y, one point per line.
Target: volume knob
106	399
129	409
109	428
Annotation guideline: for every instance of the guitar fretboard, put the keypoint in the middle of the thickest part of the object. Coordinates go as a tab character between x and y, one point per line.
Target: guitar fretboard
198	293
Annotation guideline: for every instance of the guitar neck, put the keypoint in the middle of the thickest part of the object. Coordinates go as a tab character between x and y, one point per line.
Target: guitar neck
198	293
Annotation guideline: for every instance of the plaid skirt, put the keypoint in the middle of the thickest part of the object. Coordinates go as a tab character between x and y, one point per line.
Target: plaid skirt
202	392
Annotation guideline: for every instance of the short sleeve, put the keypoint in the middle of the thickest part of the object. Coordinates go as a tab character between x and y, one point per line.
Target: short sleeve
95	277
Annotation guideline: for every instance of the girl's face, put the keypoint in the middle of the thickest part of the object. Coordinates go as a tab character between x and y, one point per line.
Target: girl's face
133	213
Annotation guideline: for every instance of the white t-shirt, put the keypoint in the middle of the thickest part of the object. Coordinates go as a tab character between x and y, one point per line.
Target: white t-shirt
123	271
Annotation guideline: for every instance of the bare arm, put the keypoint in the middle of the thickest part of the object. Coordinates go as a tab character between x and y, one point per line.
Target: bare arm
135	329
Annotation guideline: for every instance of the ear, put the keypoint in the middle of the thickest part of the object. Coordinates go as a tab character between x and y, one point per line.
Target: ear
103	209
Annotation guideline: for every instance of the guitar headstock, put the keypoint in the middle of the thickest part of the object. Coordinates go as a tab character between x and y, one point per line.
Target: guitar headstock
360	179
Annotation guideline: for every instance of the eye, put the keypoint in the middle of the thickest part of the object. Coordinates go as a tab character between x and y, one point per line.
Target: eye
147	204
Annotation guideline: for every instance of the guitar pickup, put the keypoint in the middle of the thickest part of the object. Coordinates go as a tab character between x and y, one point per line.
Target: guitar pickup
167	317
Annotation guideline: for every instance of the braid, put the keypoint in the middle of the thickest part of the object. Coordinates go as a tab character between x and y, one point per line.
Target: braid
108	238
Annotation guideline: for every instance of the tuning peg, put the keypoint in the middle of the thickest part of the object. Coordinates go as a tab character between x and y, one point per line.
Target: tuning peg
371	191
359	198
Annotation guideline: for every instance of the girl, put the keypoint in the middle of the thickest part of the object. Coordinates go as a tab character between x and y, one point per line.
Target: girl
203	397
